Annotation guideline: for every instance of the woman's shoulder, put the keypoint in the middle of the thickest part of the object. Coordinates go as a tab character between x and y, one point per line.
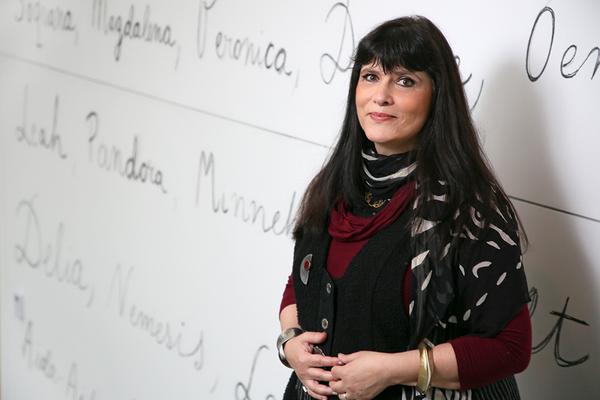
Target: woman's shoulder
473	210
490	232
490	279
496	214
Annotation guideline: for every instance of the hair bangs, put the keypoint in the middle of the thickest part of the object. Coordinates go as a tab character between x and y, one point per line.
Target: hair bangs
394	47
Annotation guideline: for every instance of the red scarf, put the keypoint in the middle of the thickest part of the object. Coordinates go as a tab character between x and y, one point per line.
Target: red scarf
350	232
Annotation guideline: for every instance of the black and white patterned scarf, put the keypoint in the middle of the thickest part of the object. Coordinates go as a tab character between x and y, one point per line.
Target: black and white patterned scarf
465	279
383	175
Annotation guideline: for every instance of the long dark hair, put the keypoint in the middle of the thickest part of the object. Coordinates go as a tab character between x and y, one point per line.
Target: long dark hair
448	147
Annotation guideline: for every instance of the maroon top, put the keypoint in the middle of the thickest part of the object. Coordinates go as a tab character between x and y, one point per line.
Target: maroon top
480	360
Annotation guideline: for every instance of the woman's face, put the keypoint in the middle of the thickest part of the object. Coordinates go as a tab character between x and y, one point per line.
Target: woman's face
392	108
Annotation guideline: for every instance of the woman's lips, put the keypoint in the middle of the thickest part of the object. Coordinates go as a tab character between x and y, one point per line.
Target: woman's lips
380	116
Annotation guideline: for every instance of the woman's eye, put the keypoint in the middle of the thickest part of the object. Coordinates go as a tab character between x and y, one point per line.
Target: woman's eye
406	81
369	77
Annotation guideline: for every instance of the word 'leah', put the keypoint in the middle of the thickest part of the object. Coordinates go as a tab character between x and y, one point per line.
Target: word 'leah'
35	134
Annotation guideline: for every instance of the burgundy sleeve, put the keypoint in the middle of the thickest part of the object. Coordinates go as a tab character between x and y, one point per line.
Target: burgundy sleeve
485	360
289	295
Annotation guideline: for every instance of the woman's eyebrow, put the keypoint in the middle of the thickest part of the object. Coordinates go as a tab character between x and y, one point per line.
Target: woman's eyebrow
370	69
402	70
396	71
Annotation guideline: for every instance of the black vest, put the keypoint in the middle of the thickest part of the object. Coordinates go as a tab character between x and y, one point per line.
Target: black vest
363	309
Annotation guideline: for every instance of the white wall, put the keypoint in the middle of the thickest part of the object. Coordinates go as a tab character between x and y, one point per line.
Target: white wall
114	288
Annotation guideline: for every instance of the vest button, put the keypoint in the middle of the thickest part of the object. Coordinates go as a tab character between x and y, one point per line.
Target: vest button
324	323
328	288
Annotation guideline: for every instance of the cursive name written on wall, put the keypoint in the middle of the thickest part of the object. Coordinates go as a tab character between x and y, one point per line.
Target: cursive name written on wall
41	360
331	63
556	331
35	135
467	81
263	54
46	19
46	256
568	67
112	158
175	339
133	27
340	59
204	7
250	53
246	210
243	390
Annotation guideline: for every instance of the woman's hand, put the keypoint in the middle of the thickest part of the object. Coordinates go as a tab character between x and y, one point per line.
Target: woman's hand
309	367
363	376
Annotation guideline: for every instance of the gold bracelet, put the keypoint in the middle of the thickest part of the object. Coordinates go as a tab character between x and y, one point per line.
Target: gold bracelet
425	366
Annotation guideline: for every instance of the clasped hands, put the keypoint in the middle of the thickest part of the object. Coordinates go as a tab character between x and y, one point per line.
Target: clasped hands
357	376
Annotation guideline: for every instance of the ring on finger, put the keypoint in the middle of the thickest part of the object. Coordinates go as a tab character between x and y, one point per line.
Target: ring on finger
304	389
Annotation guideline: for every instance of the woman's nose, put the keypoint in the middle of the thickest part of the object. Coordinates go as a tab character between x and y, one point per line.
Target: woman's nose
383	95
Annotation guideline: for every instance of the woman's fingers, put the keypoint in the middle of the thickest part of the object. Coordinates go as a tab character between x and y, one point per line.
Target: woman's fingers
346	358
319	374
313	337
308	360
316	388
317	360
311	367
316	396
337	386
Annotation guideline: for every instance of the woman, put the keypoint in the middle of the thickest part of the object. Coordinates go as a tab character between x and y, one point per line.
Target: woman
407	278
